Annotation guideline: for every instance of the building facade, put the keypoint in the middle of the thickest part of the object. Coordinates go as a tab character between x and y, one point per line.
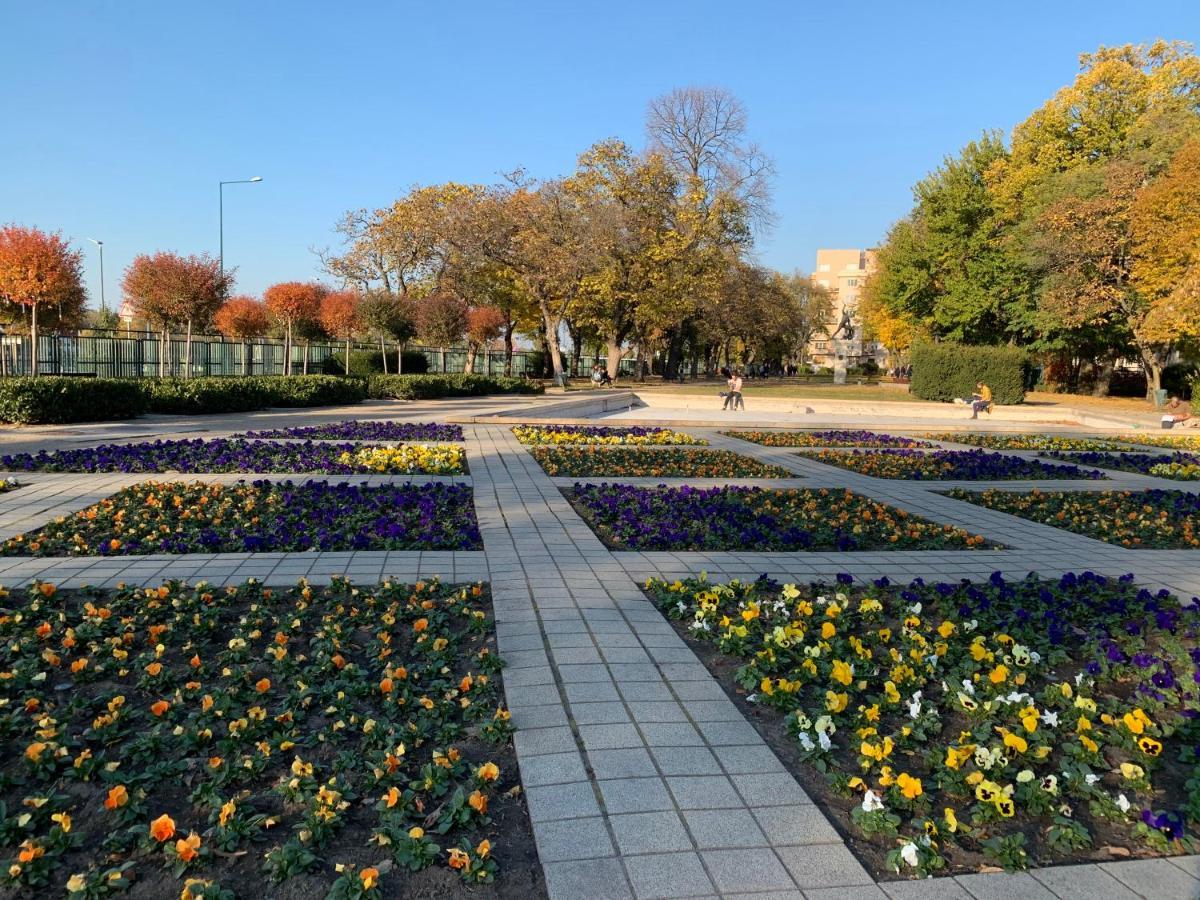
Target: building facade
843	273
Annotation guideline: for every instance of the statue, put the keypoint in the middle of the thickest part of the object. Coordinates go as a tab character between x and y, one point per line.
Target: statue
844	332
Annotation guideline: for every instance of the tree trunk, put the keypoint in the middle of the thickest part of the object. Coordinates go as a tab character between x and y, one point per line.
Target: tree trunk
1104	374
469	366
508	349
383	353
287	349
442	359
33	341
550	326
244	369
399	358
187	352
347	356
164	352
1153	373
306	347
612	359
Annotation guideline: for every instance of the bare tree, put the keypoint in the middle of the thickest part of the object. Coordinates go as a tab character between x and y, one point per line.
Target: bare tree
702	132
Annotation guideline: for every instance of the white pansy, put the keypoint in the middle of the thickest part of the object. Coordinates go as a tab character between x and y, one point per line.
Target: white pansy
914	705
909	854
1123	803
1050	718
823	740
872	802
805	741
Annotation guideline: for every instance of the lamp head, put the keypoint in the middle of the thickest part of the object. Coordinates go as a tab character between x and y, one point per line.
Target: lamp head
256	178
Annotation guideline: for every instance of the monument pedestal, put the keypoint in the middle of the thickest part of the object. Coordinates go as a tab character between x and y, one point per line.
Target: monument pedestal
839	362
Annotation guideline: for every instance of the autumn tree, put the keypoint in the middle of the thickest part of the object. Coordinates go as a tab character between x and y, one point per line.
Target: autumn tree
388	317
170	290
40	271
484	325
1165	225
486	283
441	321
808	306
339	317
242	318
292	302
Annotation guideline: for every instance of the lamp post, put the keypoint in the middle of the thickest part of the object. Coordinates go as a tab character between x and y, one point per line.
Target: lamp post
221	192
100	244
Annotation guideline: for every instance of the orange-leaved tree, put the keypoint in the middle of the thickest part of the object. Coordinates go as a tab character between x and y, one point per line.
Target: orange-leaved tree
242	318
170	290
339	317
293	302
484	325
38	270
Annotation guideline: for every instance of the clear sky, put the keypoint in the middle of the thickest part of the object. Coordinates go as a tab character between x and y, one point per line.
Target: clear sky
119	117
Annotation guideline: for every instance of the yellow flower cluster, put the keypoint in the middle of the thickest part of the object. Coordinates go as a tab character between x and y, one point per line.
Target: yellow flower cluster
533	434
1180	471
408	459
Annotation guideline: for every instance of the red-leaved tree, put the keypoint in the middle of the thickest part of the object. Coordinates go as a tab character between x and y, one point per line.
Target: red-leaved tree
242	318
339	317
441	321
484	325
38	270
293	302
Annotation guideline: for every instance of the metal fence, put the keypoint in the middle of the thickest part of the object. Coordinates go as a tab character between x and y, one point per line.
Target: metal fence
138	354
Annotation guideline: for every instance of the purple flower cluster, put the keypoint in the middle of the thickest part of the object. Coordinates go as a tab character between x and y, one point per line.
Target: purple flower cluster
1125	462
950	465
192	456
741	518
356	430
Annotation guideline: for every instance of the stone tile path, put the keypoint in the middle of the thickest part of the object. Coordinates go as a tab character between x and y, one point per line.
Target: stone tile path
643	779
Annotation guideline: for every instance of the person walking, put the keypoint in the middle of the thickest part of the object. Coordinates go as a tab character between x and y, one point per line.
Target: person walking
733	399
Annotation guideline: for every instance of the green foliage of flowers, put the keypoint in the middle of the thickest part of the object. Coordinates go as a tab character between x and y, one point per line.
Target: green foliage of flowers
1159	519
1025	441
654	463
969	716
202	730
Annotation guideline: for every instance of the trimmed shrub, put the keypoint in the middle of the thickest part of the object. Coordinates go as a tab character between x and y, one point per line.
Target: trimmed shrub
195	396
54	399
370	362
946	371
429	387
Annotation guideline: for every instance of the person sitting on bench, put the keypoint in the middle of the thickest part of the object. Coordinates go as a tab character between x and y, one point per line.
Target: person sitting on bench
981	400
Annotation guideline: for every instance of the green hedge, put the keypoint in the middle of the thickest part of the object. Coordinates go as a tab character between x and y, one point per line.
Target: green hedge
55	399
192	396
429	387
370	362
946	371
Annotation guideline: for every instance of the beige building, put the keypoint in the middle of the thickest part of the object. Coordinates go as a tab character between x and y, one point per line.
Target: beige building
843	273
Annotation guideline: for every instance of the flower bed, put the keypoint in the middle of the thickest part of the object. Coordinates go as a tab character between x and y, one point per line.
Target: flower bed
825	439
233	455
1026	441
299	742
1183	466
1171	441
356	430
600	434
958	726
742	518
260	517
666	463
957	465
1159	519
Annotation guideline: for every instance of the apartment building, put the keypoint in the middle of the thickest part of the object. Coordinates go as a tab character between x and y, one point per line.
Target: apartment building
843	273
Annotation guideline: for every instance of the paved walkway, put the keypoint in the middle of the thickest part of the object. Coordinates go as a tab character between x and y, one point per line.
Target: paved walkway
643	779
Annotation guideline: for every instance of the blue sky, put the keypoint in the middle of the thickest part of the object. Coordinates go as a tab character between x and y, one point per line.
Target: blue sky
121	117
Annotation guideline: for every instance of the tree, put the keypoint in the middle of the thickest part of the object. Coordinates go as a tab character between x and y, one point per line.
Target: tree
242	318
168	290
339	317
291	302
1165	225
810	306
487	283
484	325
441	321
387	316
40	270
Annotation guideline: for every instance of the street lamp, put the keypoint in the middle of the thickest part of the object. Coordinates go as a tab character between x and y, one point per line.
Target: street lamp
100	244
221	191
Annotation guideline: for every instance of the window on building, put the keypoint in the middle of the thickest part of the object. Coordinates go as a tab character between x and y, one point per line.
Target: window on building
852	282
